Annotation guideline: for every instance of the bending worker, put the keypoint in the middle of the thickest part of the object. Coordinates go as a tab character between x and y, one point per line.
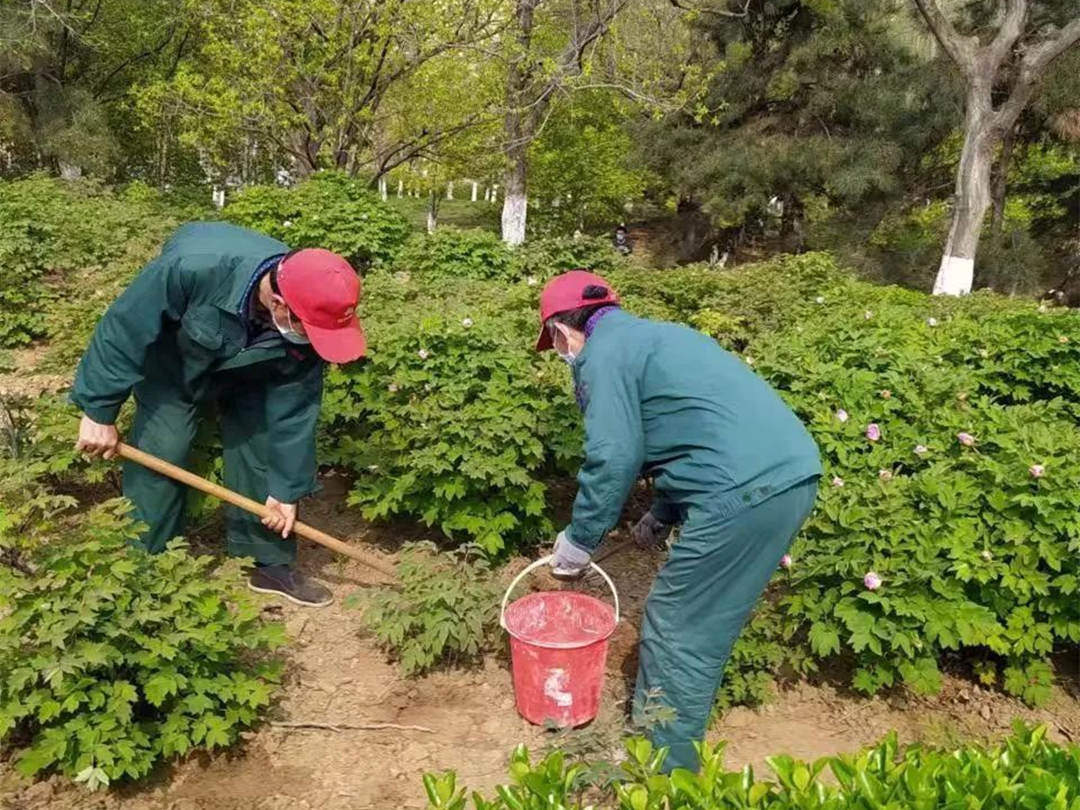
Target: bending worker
229	315
729	461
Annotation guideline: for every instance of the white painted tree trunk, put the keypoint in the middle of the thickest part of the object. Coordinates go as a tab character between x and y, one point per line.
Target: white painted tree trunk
433	211
474	187
450	190
514	215
494	194
972	199
382	188
400	187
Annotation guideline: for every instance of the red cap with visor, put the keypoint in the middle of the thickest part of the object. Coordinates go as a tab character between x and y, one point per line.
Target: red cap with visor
567	292
322	290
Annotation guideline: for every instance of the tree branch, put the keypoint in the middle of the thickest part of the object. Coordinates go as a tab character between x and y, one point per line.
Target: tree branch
1012	28
1032	67
1037	59
717	12
960	49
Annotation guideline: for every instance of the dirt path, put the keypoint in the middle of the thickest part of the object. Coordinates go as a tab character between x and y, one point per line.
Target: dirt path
339	677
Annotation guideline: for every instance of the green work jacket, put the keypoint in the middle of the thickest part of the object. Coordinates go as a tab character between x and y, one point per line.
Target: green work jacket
667	401
180	324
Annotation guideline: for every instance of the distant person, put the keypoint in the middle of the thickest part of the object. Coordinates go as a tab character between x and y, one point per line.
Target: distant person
729	460
228	315
622	242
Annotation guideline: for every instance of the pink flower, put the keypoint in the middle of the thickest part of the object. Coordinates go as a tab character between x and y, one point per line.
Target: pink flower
1037	470
872	581
837	481
965	439
885	475
785	561
423	353
841	415
873	432
921	449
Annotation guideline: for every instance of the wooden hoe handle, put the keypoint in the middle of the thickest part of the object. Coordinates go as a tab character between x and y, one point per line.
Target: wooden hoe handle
158	465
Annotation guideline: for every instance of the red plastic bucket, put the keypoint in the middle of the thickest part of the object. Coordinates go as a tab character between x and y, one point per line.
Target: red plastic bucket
558	651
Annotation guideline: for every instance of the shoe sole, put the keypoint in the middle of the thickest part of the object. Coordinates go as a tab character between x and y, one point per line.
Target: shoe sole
291	598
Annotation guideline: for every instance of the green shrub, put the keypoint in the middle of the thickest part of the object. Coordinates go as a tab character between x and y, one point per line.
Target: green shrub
445	613
329	210
455	419
480	254
1022	771
112	659
456	253
50	233
543	258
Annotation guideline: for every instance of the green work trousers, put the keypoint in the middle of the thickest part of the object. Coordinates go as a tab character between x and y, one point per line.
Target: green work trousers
165	424
699	603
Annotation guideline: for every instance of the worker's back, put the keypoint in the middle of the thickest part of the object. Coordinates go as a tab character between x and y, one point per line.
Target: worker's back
710	424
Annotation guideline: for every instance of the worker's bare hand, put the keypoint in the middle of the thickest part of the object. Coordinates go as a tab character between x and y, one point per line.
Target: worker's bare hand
96	439
282	518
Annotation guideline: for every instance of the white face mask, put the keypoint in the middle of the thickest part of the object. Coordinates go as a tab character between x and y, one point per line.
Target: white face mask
288	332
568	356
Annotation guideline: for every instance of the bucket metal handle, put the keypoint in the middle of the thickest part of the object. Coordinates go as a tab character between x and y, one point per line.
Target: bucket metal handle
544	561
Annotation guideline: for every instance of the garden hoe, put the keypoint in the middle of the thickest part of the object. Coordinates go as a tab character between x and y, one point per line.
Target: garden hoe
216	490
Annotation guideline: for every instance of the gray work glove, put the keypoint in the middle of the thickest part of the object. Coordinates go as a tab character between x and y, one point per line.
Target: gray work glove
568	561
650	533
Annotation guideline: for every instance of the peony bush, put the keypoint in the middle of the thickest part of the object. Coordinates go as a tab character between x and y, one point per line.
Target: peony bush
947	520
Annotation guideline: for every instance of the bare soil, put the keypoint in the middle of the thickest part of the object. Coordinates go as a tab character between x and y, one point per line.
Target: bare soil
338	678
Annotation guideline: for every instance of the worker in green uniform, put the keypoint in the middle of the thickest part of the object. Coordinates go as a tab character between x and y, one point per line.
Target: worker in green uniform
229	315
729	461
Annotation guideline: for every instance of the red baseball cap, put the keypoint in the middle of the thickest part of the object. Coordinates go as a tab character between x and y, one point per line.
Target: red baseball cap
322	290
568	291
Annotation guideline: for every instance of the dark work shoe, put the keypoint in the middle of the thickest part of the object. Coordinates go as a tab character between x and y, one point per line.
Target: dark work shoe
294	585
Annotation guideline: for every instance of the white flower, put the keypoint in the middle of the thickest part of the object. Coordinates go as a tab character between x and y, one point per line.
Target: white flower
921	449
931	321
392	388
820	299
287	223
531	281
373	467
423	354
467	323
986	555
868	315
749	361
842	415
837	481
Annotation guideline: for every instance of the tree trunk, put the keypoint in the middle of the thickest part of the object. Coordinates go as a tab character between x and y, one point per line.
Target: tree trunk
1001	180
515	201
474	191
433	211
519	128
972	197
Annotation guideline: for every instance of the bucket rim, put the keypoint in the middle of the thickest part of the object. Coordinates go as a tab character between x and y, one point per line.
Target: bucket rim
563	645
